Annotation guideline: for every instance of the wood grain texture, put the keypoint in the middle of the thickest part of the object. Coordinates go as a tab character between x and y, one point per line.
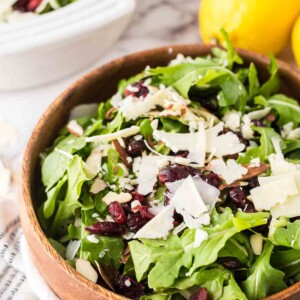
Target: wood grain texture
98	86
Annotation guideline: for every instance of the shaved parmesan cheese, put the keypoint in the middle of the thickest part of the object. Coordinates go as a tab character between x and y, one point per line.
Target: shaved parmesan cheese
112	196
159	226
232	120
136	164
188	199
289	133
230	171
74	128
135	206
133	107
209	193
265	180
85	268
193	142
246	129
223	144
259	114
155	210
148	174
115	135
290	208
72	249
98	186
274	192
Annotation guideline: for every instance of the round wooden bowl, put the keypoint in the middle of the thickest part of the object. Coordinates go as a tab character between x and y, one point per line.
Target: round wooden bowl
98	86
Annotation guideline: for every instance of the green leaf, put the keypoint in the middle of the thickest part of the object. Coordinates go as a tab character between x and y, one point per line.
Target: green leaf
60	248
156	297
272	85
76	177
167	256
56	164
218	235
232	291
253	81
289	236
112	170
170	125
263	279
265	148
287	108
52	196
110	248
239	247
213	280
287	261
146	129
232	55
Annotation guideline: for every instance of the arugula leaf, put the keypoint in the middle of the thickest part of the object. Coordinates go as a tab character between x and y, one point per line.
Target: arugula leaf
265	148
76	177
272	85
232	55
253	81
218	235
287	261
170	125
289	236
56	164
146	129
168	258
287	108
263	279
239	247
52	195
232	291
112	170
108	250
60	248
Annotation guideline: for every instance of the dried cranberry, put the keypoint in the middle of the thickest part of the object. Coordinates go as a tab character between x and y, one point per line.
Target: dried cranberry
175	172
137	89
129	287
212	179
126	207
135	147
27	5
145	213
253	182
106	228
202	294
117	212
136	222
137	196
178	219
231	263
238	197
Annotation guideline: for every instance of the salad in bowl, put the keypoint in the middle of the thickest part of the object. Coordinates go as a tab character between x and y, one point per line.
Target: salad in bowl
184	185
16	10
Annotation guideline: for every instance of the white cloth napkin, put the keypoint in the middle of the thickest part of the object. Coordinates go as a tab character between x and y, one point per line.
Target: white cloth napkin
19	278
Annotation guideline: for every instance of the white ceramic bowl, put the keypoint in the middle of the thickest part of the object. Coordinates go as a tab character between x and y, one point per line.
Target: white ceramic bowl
48	47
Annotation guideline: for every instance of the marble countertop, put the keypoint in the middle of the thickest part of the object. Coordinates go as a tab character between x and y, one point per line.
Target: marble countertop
155	23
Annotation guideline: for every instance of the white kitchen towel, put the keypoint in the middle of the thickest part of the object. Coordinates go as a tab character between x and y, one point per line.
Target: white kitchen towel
19	278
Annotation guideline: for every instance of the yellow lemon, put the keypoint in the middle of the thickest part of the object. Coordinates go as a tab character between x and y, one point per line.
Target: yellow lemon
259	25
296	41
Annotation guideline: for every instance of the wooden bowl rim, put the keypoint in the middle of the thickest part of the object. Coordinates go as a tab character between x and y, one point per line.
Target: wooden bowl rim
25	189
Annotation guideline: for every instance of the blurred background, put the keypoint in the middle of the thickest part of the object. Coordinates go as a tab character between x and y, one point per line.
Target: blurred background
59	47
